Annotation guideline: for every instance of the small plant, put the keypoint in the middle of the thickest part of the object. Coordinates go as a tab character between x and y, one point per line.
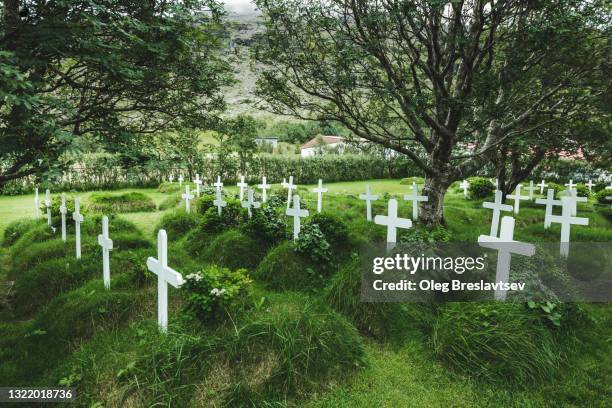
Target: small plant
266	226
601	195
438	234
214	291
313	245
480	187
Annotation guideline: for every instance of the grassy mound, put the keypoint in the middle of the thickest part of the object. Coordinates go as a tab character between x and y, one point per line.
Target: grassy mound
386	320
170	202
178	223
120	203
234	250
502	342
167	187
42	252
16	229
284	269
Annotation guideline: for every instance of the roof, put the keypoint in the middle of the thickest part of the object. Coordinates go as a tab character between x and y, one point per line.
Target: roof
325	139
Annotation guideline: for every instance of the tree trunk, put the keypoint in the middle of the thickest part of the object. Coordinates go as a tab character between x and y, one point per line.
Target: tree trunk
432	211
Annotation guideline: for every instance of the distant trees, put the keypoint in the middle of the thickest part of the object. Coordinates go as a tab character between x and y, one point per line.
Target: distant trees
444	83
111	70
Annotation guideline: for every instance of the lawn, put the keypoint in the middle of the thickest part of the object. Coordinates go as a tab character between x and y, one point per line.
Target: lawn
295	347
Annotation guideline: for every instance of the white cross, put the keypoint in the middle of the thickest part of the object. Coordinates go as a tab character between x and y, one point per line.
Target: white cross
107	245
531	189
250	202
497	207
566	220
465	185
393	222
284	183
570	185
296	212
63	210
290	187
48	205
171	178
590	185
218	185
165	275
549	202
572	196
542	185
187	197
415	198
198	183
37	203
496	183
368	197
319	190
505	246
517	197
263	186
180	179
78	219
218	201
242	185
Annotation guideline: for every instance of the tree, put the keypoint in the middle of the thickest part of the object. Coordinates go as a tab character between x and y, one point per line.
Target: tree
239	135
428	79
109	69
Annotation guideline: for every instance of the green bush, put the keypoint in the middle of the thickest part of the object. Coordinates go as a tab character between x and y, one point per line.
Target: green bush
583	191
203	203
214	292
120	203
232	216
178	223
17	228
234	250
47	280
129	268
499	341
284	269
480	187
438	234
557	187
335	230
311	243
305	342
56	203
391	321
167	187
266	226
600	196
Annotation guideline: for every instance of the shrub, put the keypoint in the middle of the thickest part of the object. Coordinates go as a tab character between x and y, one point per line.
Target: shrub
312	244
498	342
480	187
203	203
334	230
129	268
284	269
384	320
600	196
266	226
583	191
178	223
302	342
231	216
234	250
557	187
47	280
122	203
56	203
167	187
215	291
438	234
17	228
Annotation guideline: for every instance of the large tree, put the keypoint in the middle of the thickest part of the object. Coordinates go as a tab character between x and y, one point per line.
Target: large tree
110	69
444	83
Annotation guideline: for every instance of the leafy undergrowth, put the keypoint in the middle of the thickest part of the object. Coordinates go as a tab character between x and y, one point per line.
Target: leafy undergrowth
300	335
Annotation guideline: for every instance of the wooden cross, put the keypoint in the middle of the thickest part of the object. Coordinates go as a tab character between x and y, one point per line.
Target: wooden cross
250	202
107	245
218	201
63	210
517	197
368	197
566	220
48	205
497	207
187	197
531	189
505	246
542	185
320	190
549	202
242	185
290	187
198	183
78	219
415	198
264	187
465	185
165	275
392	222
36	203
296	212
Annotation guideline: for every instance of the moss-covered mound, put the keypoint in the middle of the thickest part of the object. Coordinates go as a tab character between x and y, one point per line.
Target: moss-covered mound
234	250
285	269
178	223
120	203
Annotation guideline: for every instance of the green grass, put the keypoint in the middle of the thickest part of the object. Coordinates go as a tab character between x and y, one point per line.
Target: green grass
318	348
